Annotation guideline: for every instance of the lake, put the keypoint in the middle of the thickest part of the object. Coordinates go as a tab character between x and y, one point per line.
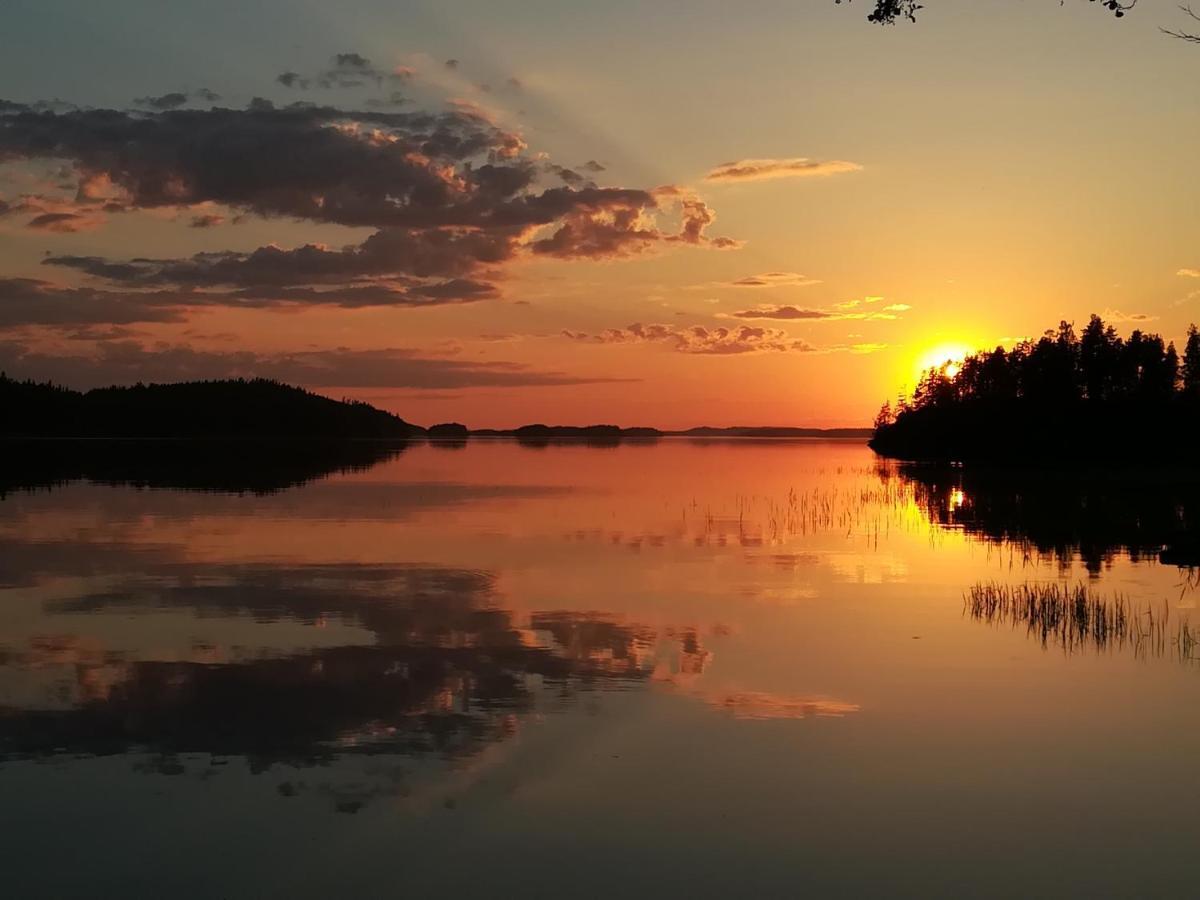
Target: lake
678	668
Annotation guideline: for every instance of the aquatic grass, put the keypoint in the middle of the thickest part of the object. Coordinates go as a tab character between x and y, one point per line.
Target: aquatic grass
1078	617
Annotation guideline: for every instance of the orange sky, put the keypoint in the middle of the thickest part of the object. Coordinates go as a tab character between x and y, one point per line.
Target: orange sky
767	219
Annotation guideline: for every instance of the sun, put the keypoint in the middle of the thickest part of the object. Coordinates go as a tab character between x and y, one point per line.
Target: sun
949	354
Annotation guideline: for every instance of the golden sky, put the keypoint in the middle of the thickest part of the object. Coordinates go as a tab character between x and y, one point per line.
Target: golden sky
533	211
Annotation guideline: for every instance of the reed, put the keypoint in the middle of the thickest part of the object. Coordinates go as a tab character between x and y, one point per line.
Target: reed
1077	617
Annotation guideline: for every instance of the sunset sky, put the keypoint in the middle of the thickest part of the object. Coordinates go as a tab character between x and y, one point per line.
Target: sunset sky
667	213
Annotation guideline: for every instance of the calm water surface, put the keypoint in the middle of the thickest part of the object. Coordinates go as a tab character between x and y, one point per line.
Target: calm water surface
648	670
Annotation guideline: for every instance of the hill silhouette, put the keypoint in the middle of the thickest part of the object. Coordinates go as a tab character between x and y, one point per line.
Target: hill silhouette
1062	398
241	408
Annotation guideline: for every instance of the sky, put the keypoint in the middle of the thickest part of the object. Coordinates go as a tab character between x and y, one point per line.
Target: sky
669	214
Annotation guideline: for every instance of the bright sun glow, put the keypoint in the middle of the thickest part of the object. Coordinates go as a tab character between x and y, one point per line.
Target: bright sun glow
953	354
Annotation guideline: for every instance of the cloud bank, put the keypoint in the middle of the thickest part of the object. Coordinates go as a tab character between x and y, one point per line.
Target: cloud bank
451	198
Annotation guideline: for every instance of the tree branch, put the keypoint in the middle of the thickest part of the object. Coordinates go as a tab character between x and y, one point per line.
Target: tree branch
1185	35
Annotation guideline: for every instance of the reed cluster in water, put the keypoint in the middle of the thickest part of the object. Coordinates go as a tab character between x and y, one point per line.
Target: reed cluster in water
1076	617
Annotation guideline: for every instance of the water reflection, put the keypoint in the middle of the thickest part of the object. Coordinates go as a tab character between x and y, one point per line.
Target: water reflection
742	660
442	670
256	467
1092	514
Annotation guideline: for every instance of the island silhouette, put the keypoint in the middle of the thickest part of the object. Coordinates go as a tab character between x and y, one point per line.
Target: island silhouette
1065	397
260	408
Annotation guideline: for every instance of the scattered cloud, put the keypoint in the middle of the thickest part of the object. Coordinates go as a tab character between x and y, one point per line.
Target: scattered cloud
1115	315
1189	273
763	169
774	279
782	312
846	310
346	70
698	339
176	99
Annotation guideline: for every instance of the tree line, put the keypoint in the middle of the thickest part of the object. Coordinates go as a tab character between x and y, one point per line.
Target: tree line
1094	383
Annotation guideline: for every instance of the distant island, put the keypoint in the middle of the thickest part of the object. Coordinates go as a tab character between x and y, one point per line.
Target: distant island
606	434
261	409
1065	397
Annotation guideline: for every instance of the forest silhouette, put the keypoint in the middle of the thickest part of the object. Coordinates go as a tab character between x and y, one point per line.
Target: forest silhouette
241	408
1063	397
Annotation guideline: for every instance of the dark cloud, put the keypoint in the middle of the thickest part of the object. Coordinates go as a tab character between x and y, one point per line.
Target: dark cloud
292	80
452	64
698	339
345	70
165	101
389	252
208	220
60	221
176	99
29	301
117	362
622	227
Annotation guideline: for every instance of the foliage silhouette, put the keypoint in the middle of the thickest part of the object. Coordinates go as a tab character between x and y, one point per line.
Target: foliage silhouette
199	409
888	12
1062	397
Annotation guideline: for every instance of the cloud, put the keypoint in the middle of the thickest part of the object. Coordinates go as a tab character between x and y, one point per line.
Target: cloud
1189	273
62	222
58	214
208	220
762	169
774	279
615	229
29	301
1115	315
782	312
846	310
698	339
346	70
116	362
176	99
